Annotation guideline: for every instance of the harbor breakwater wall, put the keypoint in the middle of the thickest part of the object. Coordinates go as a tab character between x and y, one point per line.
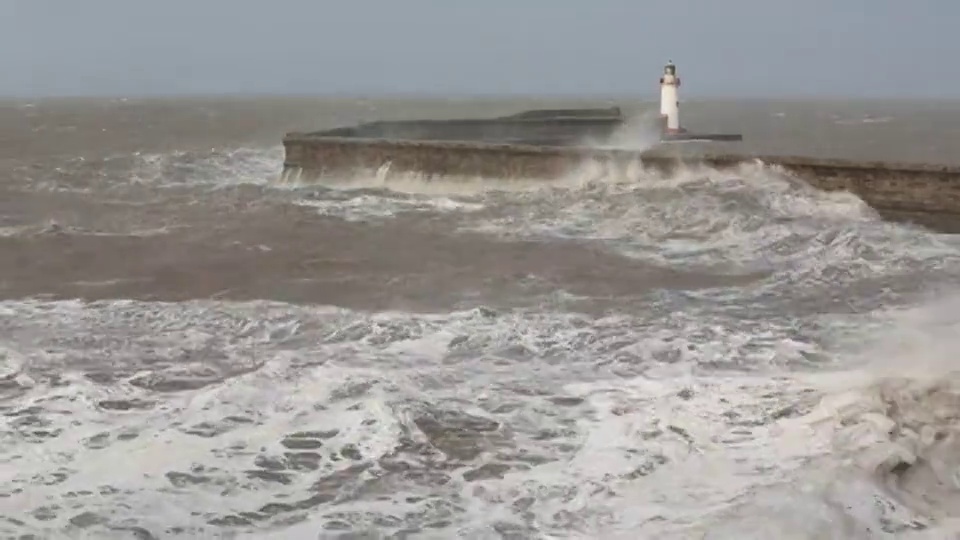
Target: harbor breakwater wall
923	193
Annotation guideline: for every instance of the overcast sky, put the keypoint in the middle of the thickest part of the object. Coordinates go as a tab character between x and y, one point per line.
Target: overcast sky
775	48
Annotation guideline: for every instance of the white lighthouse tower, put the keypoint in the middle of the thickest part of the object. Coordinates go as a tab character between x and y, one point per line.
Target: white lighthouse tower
670	130
670	99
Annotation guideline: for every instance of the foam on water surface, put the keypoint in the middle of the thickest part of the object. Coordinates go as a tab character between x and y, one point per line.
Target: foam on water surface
805	403
201	417
368	205
218	166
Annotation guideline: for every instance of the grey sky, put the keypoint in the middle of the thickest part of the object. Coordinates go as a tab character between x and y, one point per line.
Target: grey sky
857	48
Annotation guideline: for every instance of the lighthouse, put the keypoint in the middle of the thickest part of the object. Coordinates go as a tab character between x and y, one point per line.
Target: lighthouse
670	130
670	99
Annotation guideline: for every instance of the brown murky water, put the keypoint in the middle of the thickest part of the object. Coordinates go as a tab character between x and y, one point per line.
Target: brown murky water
190	348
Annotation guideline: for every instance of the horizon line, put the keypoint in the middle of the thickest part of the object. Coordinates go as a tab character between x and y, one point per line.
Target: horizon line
479	96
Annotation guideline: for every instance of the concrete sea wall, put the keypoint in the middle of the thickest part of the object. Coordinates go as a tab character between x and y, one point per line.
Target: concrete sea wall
928	194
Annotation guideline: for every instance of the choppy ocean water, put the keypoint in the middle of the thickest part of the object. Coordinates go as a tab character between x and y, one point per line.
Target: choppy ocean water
191	348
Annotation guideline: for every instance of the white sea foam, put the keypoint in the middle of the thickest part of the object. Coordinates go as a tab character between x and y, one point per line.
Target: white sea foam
754	219
366	205
892	466
250	415
356	197
216	167
760	411
55	228
374	379
8	232
867	119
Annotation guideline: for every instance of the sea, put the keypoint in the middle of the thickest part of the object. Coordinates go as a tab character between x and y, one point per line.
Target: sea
193	347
